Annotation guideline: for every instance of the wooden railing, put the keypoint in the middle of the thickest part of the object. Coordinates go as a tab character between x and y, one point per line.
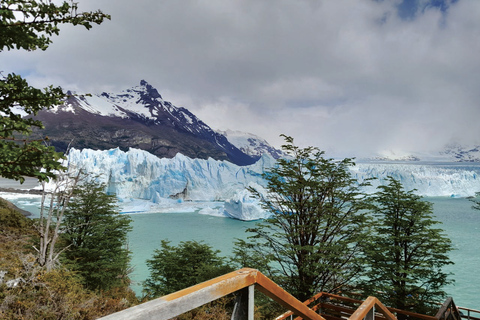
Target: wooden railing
323	306
179	302
469	314
334	307
448	311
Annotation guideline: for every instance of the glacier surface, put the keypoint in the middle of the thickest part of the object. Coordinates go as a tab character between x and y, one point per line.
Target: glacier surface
144	182
429	179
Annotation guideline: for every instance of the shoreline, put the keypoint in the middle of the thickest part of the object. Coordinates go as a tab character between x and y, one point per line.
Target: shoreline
22	191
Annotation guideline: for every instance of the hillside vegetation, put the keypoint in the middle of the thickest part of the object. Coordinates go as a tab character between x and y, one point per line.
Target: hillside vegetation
28	291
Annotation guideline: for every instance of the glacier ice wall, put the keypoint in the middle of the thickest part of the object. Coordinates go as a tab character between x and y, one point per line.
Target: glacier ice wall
141	175
137	174
429	179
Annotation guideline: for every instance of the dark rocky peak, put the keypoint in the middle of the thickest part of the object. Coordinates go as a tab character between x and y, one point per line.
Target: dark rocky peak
150	91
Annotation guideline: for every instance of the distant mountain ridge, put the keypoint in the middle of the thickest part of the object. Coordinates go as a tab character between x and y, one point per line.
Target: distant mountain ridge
452	152
462	153
137	117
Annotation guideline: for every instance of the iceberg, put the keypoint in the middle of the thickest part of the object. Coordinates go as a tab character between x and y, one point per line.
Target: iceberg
244	206
143	182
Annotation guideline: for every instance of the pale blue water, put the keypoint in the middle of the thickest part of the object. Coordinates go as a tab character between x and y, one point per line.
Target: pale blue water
460	222
150	229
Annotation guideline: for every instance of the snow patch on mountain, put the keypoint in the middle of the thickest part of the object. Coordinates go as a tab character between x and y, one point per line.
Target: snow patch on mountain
251	144
142	101
462	153
137	117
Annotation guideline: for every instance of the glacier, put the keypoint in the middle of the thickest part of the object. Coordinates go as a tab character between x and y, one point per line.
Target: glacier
136	176
429	179
143	182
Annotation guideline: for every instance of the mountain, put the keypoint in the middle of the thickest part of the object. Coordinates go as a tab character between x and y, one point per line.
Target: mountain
251	144
138	118
452	152
462	153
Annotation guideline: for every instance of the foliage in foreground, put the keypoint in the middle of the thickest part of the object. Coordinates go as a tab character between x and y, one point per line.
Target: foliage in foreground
406	253
173	268
96	236
311	242
28	25
41	294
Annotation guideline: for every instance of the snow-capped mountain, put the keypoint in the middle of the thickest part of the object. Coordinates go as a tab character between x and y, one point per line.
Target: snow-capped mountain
137	117
251	144
461	153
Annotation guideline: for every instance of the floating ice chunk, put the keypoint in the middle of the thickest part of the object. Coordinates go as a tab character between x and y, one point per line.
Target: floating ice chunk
244	206
216	212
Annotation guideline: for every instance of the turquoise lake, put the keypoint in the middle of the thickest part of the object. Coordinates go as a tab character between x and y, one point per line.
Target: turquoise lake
460	222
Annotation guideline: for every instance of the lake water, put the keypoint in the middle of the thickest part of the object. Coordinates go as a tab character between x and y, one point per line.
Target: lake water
460	222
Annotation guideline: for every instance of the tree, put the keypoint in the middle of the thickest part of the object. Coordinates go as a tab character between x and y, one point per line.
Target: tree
310	243
42	294
406	253
19	156
28	25
174	268
96	235
52	208
476	201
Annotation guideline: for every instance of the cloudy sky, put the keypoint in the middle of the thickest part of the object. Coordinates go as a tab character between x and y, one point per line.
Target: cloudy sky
353	77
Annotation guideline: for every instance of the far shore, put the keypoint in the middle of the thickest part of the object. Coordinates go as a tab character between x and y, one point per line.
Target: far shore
29	183
13	186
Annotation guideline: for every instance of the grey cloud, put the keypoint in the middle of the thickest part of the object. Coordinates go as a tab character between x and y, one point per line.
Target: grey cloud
348	76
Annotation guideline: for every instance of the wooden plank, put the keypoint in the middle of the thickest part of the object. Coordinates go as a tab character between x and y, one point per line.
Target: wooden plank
363	309
179	302
384	310
275	292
